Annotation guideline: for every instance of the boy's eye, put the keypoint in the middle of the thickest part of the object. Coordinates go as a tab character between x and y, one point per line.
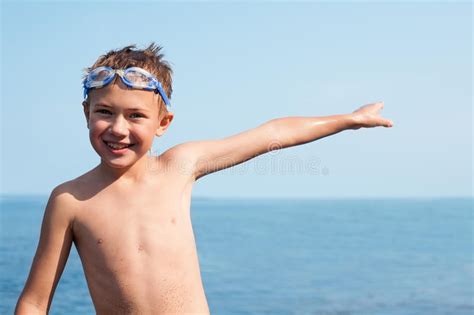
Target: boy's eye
106	112
102	111
136	115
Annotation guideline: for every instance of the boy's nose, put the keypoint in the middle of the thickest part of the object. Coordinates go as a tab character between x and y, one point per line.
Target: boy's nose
119	126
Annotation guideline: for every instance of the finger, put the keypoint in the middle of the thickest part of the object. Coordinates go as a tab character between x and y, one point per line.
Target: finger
388	123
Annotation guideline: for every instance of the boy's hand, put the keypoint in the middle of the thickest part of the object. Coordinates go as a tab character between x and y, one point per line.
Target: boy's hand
368	116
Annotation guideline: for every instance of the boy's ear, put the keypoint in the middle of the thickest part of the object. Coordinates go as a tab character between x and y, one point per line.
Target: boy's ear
164	124
86	112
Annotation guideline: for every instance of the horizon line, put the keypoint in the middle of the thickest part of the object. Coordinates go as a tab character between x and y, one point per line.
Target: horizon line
266	197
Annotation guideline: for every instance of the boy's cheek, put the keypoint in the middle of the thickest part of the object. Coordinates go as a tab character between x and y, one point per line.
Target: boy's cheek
96	129
97	124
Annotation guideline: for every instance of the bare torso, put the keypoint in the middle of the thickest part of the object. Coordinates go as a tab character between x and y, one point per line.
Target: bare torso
137	246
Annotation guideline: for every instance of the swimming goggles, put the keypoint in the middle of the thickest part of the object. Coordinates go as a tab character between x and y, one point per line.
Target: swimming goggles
133	77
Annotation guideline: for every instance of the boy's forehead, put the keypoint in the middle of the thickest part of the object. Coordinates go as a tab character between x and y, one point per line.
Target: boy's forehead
118	94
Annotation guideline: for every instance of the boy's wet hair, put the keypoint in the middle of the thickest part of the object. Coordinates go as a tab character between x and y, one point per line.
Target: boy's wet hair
150	59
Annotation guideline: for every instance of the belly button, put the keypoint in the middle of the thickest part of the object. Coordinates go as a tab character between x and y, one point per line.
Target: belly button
140	247
173	221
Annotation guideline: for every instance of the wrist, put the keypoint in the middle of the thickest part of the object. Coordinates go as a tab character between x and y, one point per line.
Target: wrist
351	121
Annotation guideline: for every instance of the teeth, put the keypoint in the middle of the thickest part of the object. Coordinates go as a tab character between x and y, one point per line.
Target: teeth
117	146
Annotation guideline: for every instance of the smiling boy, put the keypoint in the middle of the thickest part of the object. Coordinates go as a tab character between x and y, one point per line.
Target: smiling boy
129	217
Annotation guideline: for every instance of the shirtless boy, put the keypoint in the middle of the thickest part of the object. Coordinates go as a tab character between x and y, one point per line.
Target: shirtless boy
129	217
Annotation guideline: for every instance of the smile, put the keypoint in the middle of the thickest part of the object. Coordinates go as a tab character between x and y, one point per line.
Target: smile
118	146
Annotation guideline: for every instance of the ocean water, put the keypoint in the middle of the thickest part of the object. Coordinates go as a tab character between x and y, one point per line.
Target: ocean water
327	257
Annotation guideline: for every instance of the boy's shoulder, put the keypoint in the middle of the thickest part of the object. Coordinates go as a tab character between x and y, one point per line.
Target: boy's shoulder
66	199
73	190
66	192
178	160
63	204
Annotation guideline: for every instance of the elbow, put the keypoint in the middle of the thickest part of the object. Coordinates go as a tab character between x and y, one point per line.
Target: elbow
274	128
282	132
273	139
25	307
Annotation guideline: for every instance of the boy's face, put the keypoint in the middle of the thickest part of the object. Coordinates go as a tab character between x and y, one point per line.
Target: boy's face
122	123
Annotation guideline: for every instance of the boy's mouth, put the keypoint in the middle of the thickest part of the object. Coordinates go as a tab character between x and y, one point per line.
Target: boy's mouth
118	146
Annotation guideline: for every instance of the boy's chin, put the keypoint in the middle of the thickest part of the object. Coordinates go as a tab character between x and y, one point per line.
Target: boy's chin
118	164
121	161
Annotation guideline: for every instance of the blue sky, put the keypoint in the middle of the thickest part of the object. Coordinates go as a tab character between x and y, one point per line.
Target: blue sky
238	65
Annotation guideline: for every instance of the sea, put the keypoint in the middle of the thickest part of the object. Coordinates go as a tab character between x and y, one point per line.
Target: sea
292	256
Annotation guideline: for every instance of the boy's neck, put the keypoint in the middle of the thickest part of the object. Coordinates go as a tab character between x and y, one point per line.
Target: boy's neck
135	173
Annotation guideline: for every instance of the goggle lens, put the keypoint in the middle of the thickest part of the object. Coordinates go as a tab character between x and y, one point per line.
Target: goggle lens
101	75
138	79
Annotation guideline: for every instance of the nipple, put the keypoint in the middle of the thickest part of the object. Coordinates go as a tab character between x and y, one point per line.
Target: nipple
99	241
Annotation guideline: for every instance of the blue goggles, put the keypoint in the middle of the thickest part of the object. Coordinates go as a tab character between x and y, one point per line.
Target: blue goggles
134	77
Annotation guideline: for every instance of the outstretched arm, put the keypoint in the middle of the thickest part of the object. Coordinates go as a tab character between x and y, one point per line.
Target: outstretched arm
291	131
210	156
51	256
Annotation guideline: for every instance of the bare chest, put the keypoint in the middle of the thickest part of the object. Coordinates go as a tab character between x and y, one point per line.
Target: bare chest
114	229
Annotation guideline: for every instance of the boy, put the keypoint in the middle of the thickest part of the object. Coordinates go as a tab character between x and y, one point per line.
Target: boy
129	217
